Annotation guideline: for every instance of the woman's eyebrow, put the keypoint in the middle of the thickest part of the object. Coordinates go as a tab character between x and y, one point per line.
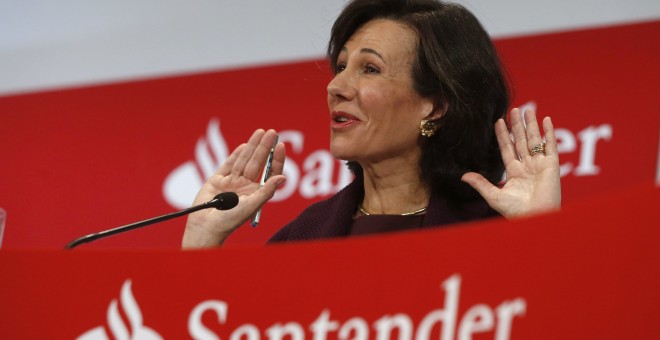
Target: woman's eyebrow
366	50
372	51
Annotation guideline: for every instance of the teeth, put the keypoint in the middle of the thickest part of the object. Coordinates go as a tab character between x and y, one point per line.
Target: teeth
341	119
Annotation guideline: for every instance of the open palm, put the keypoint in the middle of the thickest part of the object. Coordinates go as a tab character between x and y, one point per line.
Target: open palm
532	184
240	174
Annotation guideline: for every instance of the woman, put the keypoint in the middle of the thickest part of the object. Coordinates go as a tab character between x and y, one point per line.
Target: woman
417	89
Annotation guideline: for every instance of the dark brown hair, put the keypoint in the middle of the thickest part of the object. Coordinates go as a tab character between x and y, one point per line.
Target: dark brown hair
458	68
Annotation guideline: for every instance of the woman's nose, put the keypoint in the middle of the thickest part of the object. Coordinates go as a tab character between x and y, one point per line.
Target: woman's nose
341	86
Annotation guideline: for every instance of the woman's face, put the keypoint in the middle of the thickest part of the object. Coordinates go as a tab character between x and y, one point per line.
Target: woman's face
374	111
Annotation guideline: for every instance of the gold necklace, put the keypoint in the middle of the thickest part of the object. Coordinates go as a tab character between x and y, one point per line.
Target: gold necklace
418	211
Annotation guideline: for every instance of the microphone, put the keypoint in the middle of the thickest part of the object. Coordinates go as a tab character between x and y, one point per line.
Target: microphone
221	201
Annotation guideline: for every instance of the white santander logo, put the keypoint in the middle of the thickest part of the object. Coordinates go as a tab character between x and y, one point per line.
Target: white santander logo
119	330
182	184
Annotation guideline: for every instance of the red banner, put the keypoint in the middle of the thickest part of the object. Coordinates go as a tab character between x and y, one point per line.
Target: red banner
82	160
590	272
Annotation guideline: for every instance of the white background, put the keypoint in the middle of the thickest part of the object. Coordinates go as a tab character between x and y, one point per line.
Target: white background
54	44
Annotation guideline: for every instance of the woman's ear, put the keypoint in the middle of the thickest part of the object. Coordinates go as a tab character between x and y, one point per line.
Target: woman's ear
430	123
437	111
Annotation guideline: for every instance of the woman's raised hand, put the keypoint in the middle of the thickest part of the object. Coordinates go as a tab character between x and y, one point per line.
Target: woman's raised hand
240	173
532	184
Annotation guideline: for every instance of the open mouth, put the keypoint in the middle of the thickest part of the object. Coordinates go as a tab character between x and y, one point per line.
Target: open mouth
342	119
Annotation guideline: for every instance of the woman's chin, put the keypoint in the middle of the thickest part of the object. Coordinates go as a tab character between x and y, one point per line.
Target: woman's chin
342	152
340	155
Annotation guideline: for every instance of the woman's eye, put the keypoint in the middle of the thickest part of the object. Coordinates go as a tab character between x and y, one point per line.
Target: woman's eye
371	70
368	69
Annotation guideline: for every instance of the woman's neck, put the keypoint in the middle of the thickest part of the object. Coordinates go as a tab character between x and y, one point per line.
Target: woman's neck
393	188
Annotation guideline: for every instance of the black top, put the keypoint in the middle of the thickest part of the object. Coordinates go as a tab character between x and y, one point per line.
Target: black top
376	224
333	217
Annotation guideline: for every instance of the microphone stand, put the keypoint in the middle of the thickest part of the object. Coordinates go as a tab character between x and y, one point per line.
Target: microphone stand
221	201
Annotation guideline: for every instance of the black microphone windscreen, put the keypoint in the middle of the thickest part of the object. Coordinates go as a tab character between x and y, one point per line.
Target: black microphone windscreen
226	200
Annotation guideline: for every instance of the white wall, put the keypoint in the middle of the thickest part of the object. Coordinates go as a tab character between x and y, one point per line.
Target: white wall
52	44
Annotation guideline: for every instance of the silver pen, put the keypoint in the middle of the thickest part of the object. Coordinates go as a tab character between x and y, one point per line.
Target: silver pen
264	176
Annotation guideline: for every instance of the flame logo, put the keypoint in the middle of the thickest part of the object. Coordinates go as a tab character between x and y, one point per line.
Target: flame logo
183	183
119	329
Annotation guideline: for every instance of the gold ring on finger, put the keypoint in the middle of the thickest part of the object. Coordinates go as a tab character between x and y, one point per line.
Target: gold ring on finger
538	148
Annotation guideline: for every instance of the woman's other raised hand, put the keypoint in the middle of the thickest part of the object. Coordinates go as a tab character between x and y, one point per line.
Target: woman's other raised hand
240	173
532	168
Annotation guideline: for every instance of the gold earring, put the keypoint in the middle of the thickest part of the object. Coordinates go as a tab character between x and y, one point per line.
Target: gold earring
428	127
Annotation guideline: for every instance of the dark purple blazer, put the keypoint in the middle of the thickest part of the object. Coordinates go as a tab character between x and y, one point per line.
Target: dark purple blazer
333	217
